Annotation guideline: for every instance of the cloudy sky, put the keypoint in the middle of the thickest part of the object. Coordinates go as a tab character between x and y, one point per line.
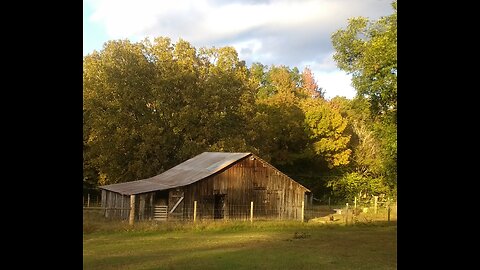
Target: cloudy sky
295	33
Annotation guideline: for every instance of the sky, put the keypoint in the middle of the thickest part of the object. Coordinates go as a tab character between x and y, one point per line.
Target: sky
294	33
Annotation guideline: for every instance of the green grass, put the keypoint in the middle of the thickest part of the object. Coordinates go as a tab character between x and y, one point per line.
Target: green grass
241	245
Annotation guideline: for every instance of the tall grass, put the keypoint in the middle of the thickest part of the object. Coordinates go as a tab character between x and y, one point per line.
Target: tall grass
94	221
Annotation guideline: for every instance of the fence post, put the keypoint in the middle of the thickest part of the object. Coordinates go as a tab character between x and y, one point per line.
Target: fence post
388	210
355	203
132	209
251	211
376	199
346	214
303	210
194	211
329	203
88	200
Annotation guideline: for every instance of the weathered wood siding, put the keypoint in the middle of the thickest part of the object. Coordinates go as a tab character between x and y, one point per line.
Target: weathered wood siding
117	206
273	194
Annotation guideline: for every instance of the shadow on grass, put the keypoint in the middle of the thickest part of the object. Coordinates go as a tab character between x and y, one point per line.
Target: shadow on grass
264	246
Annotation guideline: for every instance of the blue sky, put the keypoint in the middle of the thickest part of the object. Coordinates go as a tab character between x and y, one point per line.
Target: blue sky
295	33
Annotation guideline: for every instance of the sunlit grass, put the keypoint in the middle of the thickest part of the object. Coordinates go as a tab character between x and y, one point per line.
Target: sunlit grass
239	245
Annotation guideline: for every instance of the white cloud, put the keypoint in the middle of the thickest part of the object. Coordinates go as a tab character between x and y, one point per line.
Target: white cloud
281	32
335	83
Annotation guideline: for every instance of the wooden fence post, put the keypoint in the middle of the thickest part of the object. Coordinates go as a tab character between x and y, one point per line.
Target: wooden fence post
376	199
303	210
329	203
346	214
132	209
251	211
194	211
355	203
88	200
388	211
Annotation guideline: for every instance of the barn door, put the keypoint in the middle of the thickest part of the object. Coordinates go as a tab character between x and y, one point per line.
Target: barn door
260	202
274	204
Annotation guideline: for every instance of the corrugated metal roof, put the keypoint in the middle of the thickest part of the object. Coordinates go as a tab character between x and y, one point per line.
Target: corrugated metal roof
186	173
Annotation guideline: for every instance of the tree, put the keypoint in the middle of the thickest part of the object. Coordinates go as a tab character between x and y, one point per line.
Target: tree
149	106
117	116
366	156
277	128
368	51
310	85
355	184
326	129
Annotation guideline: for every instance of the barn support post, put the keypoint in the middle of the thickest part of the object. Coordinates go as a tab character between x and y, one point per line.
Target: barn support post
194	211
132	209
303	210
251	211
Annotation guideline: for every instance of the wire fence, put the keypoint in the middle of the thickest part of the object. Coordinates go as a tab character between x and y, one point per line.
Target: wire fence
351	212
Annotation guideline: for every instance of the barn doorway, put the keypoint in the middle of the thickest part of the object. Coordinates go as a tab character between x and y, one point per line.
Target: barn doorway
219	206
160	205
161	198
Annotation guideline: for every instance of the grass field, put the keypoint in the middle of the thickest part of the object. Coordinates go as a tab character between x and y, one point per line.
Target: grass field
241	245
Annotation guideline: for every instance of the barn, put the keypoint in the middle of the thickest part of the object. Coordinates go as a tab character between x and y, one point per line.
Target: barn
211	185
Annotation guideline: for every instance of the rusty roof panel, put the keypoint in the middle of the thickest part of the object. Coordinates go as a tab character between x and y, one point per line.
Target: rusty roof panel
186	173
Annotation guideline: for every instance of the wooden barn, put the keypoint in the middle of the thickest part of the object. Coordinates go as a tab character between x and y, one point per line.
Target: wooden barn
222	184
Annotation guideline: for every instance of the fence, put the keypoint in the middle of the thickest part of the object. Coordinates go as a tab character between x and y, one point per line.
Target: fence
92	201
352	212
365	211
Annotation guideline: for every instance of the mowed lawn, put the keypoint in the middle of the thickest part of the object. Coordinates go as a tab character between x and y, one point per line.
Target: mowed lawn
234	246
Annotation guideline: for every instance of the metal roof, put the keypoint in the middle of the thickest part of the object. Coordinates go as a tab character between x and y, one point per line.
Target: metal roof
186	173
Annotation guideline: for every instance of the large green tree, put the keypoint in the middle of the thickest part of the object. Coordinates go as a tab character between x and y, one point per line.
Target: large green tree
368	50
149	106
